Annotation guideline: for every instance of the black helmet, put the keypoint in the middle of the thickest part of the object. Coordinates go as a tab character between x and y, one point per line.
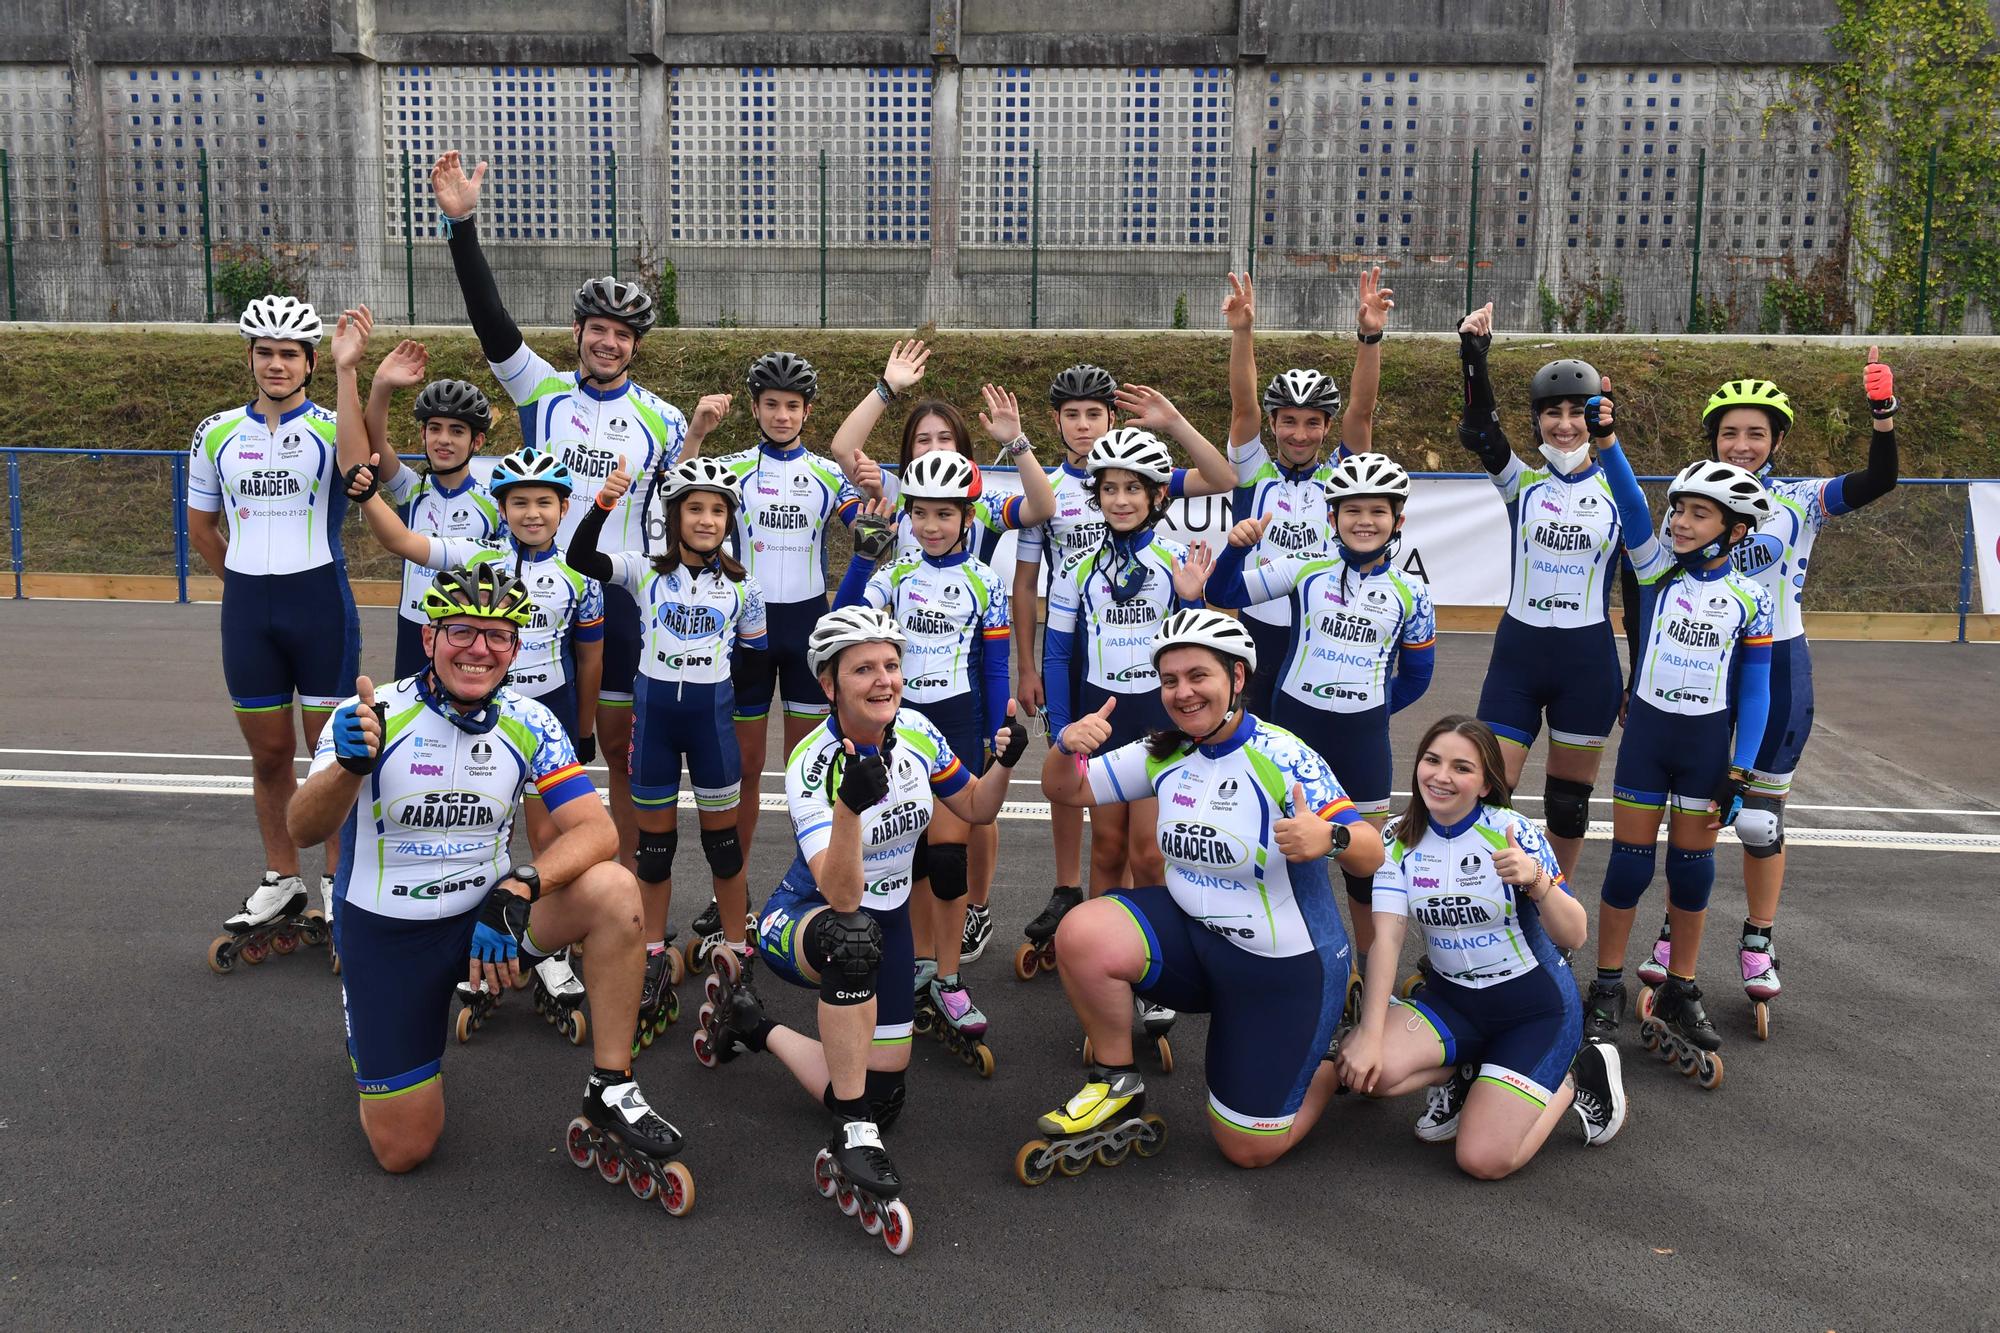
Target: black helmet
455	400
784	372
1084	384
1565	379
614	298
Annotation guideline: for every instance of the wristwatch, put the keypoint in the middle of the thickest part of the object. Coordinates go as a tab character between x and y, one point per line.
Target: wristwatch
1367	339
529	877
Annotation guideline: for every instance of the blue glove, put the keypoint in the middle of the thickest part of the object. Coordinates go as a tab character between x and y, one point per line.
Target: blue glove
503	927
350	745
491	946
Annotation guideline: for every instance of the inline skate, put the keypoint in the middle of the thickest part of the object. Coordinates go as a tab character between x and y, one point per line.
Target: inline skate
1676	1027
1604	1010
1150	1025
1760	975
732	1020
1103	1123
273	919
945	1010
625	1139
855	1171
1039	953
558	995
707	932
1654	970
475	1005
658	1005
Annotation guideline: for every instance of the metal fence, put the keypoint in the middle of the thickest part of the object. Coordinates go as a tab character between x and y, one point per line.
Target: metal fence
138	525
1014	238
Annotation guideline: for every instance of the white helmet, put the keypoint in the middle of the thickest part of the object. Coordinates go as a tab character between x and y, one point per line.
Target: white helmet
284	317
1737	491
941	475
1210	629
845	628
1359	475
1302	388
1132	450
702	474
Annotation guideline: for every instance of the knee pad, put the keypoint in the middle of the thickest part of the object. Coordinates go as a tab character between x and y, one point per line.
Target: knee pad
885	1096
846	950
1690	878
1760	826
724	851
1360	888
1566	807
920	861
948	871
656	855
1627	874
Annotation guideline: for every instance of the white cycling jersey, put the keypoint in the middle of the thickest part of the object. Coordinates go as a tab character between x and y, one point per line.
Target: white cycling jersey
1301	519
1346	627
1694	623
1566	536
1478	929
278	490
1777	554
789	496
691	619
467	512
946	607
1113	607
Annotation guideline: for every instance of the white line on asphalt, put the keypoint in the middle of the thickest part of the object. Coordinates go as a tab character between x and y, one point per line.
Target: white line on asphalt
238	785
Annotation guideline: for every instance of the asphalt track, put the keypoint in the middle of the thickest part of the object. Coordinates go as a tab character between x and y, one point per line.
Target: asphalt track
177	1148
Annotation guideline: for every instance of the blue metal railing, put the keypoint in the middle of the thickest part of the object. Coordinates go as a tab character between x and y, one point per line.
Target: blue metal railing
178	460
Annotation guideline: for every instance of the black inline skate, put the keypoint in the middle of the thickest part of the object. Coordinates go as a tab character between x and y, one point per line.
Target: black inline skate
1604	1010
1039	953
732	1019
658	1005
274	919
855	1171
1676	1027
625	1139
1103	1123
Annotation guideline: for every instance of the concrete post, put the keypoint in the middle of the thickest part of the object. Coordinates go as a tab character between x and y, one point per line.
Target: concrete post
941	302
1555	154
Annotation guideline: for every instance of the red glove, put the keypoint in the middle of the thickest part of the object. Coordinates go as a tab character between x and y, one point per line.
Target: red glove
1880	384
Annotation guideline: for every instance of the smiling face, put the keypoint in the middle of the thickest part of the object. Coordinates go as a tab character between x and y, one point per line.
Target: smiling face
1744	437
704	521
1367	522
533	513
865	685
476	670
604	348
1450	777
1301	434
1693	521
1080	424
932	434
938	524
1562	424
1196	687
280	367
449	445
781	414
1125	498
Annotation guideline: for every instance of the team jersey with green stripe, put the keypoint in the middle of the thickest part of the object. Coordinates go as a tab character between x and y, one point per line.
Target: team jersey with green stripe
1114	632
1478	929
1566	536
1218	804
1294	499
431	512
428	834
789	496
568	606
920	764
949	608
691	620
1347	627
1692	625
278	490
595	431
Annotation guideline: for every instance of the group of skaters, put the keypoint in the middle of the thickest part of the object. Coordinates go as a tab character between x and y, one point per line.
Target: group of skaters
1220	716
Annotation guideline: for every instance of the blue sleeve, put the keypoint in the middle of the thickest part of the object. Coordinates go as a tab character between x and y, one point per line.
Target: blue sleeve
1412	678
993	685
1225	581
1753	703
1625	492
854	584
1057	645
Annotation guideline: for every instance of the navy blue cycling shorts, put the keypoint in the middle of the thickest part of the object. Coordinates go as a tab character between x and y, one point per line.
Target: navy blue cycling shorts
1274	643
1572	675
1270	1019
289	633
1522	1033
622	644
781	940
396	982
1135	717
958	721
1671	755
1354	745
674	724
781	668
1791	719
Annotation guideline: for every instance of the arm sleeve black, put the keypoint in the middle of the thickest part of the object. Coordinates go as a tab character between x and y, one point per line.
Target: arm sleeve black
583	555
499	338
1479	424
1879	477
1628	596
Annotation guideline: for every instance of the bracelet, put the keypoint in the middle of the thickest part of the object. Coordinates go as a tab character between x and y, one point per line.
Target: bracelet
607	508
1367	339
884	392
1019	445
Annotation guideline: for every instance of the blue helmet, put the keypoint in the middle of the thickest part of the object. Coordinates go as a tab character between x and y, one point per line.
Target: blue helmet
530	466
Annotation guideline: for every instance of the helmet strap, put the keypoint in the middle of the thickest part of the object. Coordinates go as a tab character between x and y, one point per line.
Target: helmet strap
582	367
484	714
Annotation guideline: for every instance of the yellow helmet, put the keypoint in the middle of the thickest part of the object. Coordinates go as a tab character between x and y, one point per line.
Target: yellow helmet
1747	393
485	590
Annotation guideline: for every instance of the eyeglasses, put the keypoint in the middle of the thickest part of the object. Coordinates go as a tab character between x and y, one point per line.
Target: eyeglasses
499	640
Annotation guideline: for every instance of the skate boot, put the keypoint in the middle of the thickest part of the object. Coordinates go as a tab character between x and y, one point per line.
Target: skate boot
854	1170
1600	1092
1760	975
625	1139
1604	1010
658	1005
1443	1102
1150	1025
978	930
326	905
945	1009
1653	971
559	997
731	1025
475	1005
1681	1032
1039	953
708	936
273	919
1102	1123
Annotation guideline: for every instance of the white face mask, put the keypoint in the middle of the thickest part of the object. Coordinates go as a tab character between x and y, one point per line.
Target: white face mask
1566	463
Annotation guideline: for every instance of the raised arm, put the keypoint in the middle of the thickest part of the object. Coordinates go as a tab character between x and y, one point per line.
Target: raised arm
1154	411
351	446
1371	319
1239	312
458	199
1002	420
903	370
1855	489
404	368
1479	422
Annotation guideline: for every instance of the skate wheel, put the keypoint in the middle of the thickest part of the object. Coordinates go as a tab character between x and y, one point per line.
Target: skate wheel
1165	1050
823	1177
1645	1001
1410	984
1761	1012
725	964
333	961
704	1017
1071	1166
254	950
285	942
610	1168
693	959
1687	1062
920	1021
582	1152
1025	962
711	989
676	1189
705	1052
849	1201
981	1058
870	1217
1711	1073
222	955
1031	1165
577	1028
1155	1138
1088	1051
643	1183
673	1011
465	1026
676	968
1113	1156
898	1228
1649	1035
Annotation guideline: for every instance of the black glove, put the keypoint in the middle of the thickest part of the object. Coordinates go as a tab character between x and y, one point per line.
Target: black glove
874	537
360	482
586	749
865	782
1728	796
506	914
1013	744
348	748
1593	416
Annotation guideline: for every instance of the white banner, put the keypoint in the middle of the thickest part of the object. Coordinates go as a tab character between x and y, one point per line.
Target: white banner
1986	536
